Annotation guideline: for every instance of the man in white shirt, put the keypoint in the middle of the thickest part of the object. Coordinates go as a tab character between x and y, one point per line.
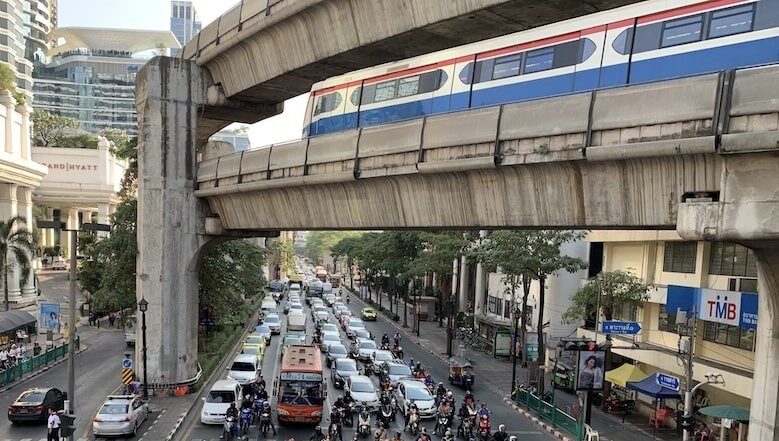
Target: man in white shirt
53	426
3	357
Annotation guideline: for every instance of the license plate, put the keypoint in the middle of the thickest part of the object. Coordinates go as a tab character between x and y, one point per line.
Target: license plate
23	411
299	419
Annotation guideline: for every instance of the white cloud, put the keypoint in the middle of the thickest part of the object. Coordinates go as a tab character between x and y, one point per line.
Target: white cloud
210	10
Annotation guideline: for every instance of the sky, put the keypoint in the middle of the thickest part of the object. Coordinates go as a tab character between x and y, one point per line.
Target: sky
155	14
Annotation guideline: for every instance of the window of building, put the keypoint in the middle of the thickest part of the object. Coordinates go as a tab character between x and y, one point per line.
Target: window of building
729	335
494	305
730	21
679	257
730	259
507	309
682	31
625	312
666	322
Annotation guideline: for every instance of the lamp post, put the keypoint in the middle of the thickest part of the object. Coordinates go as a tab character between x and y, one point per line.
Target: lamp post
143	306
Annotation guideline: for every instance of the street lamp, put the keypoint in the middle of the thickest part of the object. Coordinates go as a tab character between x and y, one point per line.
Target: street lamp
143	306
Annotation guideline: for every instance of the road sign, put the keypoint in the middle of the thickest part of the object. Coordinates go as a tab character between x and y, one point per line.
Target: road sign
625	328
668	381
127	363
127	376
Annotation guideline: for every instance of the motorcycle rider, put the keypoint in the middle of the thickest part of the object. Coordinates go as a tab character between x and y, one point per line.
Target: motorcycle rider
335	429
440	392
501	434
385	340
347	403
424	436
448	436
318	435
469	399
484	411
443	411
232	412
412	410
396	338
261	383
380	434
396	437
269	422
464	415
450	399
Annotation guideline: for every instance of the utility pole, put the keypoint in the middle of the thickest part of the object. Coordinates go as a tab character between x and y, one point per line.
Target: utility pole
686	351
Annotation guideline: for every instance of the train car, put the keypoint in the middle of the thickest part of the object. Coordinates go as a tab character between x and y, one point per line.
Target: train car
648	41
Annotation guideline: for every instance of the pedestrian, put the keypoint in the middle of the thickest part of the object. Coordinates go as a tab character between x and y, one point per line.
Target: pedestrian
22	352
111	318
53	426
397	338
3	358
12	354
36	349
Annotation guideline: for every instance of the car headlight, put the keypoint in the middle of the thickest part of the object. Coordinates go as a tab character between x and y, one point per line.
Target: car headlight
282	412
317	413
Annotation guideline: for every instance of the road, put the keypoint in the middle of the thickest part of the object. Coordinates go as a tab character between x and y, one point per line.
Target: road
97	375
516	424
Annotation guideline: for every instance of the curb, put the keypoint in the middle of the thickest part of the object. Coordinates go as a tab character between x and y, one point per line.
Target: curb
551	430
176	426
39	372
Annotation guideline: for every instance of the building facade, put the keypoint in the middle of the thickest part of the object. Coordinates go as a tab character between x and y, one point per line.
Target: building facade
40	19
13	41
663	260
183	22
90	75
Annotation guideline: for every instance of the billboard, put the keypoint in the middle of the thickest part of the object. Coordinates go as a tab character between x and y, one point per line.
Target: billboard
589	370
49	316
712	305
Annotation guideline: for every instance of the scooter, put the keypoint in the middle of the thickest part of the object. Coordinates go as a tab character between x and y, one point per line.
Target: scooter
246	421
385	415
613	403
484	428
394	408
413	423
364	423
230	428
332	432
264	422
444	420
397	352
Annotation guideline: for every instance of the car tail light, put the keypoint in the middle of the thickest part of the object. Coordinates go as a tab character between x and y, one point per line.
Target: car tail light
11	409
39	408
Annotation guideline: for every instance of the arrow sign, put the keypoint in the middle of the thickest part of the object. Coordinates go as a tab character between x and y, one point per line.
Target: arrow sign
625	328
668	382
127	363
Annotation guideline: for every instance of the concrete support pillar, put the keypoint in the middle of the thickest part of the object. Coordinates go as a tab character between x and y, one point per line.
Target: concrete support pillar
103	215
8	101
26	142
8	209
478	301
169	95
48	234
24	197
462	302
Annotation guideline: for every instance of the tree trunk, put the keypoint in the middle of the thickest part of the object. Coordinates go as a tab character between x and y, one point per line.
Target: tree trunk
523	319
5	284
540	330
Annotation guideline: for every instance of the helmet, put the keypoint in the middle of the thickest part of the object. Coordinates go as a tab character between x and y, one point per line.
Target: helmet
440	383
449	394
502	427
397	433
381	425
512	438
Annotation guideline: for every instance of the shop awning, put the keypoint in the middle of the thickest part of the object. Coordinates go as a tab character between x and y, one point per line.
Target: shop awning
627	372
649	386
13	320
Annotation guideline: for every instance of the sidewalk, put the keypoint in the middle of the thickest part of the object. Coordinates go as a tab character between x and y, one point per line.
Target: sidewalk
496	373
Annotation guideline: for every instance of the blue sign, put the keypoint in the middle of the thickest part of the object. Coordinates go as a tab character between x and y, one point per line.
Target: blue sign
49	318
625	328
668	382
728	307
127	363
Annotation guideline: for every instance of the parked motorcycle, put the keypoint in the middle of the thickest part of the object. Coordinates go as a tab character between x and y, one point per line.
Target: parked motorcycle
614	404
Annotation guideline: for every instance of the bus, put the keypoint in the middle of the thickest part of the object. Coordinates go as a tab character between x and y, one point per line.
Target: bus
321	273
335	280
300	386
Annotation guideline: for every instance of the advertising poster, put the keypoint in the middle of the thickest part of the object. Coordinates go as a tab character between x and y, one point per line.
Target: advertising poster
49	318
589	370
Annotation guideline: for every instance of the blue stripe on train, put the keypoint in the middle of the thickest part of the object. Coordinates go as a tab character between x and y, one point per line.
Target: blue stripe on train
690	63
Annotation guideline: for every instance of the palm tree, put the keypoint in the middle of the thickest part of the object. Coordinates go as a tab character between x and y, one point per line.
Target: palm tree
15	240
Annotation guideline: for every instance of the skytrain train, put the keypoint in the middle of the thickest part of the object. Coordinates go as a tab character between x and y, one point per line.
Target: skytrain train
648	41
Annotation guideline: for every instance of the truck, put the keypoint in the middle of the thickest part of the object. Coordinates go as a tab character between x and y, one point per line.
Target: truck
321	273
129	331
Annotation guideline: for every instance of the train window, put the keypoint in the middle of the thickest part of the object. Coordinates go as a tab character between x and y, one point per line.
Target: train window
730	21
538	60
431	81
622	43
327	103
507	66
408	86
568	54
386	91
355	98
587	49
466	74
682	31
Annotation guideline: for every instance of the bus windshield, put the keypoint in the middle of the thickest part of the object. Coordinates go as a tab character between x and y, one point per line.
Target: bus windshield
301	393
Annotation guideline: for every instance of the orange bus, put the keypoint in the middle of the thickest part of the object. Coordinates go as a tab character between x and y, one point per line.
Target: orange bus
300	386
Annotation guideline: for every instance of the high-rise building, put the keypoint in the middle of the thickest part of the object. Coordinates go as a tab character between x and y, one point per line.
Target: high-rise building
238	139
40	19
91	74
14	40
183	22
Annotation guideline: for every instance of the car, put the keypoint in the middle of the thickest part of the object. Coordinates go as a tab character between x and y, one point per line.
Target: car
265	331
395	371
273	322
363	390
364	349
120	415
256	350
60	264
291	306
34	404
342	369
335	351
378	358
329	299
216	403
329	327
339	311
353	325
268	307
338	305
412	391
255	339
292	339
244	369
321	314
329	338
363	333
368	314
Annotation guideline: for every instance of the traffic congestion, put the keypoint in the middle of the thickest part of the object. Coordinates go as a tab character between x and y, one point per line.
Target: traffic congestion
322	365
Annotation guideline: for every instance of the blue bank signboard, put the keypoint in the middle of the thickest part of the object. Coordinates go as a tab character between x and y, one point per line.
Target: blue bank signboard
712	305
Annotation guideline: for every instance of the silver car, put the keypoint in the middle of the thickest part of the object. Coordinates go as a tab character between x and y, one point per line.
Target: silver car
363	391
412	391
364	350
342	369
378	358
273	322
120	415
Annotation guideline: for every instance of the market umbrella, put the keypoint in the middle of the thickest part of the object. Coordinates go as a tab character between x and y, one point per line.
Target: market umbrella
627	372
727	411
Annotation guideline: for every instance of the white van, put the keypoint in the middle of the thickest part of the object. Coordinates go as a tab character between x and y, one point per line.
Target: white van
245	369
215	404
327	287
296	320
268	306
294	288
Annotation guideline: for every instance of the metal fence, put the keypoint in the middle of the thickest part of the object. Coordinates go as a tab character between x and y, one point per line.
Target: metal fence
550	413
33	364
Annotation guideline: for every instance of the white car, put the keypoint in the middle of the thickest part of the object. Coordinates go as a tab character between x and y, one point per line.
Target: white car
412	391
378	358
353	325
218	400
273	322
329	327
245	369
364	350
329	338
120	415
363	391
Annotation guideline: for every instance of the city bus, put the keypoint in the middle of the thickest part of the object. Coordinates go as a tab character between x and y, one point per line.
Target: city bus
300	387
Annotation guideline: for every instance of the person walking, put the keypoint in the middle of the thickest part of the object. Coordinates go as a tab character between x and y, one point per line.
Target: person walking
53	426
3	358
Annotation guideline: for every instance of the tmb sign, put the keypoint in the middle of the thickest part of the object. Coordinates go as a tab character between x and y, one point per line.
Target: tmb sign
668	382
625	328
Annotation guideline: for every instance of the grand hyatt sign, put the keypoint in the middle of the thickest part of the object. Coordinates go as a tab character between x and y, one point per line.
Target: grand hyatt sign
70	166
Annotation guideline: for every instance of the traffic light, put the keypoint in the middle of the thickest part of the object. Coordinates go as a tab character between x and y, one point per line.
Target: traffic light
67	425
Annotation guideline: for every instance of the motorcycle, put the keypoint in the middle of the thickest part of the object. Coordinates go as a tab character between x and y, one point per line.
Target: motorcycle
466	426
264	422
484	428
368	369
397	352
447	436
385	346
614	403
364	423
444	420
332	432
547	396
385	415
394	408
413	423
230	428
246	420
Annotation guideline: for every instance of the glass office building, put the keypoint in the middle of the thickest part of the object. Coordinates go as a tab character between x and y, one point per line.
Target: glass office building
183	22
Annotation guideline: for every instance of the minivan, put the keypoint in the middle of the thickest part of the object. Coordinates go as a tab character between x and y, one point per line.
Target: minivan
268	307
215	404
244	369
296	320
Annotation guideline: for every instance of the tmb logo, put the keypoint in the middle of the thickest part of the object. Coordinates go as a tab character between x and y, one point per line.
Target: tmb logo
722	309
720	306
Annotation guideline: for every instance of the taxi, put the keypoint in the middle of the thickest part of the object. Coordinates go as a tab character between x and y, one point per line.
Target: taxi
368	314
257	350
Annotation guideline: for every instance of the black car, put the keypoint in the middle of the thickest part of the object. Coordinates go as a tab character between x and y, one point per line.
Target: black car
34	404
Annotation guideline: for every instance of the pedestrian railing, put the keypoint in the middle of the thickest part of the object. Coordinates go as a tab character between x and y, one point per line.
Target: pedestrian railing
549	412
34	364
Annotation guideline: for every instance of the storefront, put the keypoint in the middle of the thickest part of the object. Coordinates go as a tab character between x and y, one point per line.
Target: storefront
16	326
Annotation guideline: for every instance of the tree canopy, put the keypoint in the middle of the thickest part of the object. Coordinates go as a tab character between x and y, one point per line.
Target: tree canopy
609	290
49	128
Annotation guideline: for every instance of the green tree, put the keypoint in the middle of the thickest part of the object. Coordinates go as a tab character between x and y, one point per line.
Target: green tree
608	290
8	82
228	273
319	243
283	252
48	127
15	241
118	137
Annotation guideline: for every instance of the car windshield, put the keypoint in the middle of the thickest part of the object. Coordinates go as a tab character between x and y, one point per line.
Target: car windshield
368	310
337	349
346	366
113	409
367	344
362	333
383	356
320	309
242	366
251	350
330	327
273	320
296	306
31	397
418	393
254	339
262	329
356	323
331	337
399	369
360	386
220	396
